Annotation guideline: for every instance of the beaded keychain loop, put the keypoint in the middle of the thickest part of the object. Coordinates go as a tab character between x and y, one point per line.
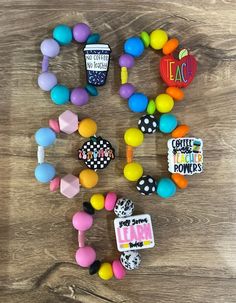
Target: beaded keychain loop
98	157
97	57
132	234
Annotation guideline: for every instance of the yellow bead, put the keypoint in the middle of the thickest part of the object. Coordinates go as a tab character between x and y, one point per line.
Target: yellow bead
124	75
158	38
133	171
97	201
105	271
164	103
133	137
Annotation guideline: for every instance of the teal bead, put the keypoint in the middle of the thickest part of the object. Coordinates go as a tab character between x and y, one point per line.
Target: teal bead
62	34
166	188
92	90
167	123
60	94
94	38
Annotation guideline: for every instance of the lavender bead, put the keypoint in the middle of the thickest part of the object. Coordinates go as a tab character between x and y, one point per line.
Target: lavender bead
126	61
81	31
79	96
126	90
50	48
47	81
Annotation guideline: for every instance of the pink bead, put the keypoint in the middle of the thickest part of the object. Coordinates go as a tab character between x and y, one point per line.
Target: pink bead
82	221
110	201
69	186
85	256
55	184
54	125
81	238
68	122
118	270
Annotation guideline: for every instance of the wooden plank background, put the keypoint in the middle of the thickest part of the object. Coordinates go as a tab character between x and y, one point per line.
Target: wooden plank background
195	259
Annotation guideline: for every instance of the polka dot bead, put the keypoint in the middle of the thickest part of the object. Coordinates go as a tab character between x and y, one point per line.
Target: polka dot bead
148	124
146	185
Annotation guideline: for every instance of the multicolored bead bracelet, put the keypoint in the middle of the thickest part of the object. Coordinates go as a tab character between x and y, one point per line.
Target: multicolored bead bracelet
133	233
97	57
99	155
175	72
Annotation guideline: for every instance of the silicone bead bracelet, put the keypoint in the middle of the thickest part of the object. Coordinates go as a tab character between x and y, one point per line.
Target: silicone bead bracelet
132	234
97	57
88	178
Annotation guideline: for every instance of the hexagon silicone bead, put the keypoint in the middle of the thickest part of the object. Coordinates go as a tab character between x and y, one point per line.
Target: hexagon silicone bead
68	122
69	186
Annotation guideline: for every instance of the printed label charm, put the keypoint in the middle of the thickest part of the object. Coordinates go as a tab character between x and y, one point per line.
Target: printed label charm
185	156
134	233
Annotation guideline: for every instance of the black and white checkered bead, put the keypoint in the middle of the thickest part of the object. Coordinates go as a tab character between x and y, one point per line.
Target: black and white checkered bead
130	259
146	185
148	124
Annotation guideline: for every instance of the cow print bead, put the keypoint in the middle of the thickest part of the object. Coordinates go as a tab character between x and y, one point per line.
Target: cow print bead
148	124
146	185
124	208
130	259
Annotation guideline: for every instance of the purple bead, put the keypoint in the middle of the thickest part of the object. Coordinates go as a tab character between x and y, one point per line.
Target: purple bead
79	96
126	61
126	90
50	48
47	81
81	31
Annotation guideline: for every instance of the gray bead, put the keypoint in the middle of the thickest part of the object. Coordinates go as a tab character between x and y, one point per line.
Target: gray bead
124	208
130	259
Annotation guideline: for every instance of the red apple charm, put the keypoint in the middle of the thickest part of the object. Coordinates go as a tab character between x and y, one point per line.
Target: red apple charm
178	73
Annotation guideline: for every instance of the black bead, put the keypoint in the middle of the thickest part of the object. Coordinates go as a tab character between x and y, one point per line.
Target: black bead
88	208
94	268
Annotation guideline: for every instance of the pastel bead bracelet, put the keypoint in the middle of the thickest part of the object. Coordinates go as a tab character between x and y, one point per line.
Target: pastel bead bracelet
176	73
97	57
69	123
132	234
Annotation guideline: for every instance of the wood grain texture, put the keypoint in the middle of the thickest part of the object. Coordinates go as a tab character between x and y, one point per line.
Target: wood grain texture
195	260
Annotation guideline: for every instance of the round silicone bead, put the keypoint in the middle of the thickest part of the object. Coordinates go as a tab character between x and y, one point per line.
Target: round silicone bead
94	268
97	201
126	90
118	270
81	31
87	128
88	208
85	256
134	46
45	136
158	38
94	38
92	90
55	184
167	123
145	38
88	178
164	103
166	188
175	92
110	201
105	271
82	221
60	94
47	80
138	102
54	125
62	34
50	48
133	137
44	172
79	96
126	60
133	171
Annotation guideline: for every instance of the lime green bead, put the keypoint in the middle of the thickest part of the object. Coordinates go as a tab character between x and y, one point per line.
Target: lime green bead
60	94
105	271
151	108
145	38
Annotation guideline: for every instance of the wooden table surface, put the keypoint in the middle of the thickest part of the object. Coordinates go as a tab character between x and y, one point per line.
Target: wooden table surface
195	231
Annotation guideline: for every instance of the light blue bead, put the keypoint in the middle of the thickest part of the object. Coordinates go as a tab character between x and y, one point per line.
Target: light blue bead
45	136
138	102
166	188
45	172
62	34
167	123
60	94
94	38
92	90
134	46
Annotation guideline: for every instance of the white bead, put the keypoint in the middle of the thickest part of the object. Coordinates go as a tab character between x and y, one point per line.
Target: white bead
40	154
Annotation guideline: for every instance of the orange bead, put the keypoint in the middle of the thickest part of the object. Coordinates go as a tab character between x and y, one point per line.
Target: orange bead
87	128
180	131
175	92
129	154
170	46
88	178
180	180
